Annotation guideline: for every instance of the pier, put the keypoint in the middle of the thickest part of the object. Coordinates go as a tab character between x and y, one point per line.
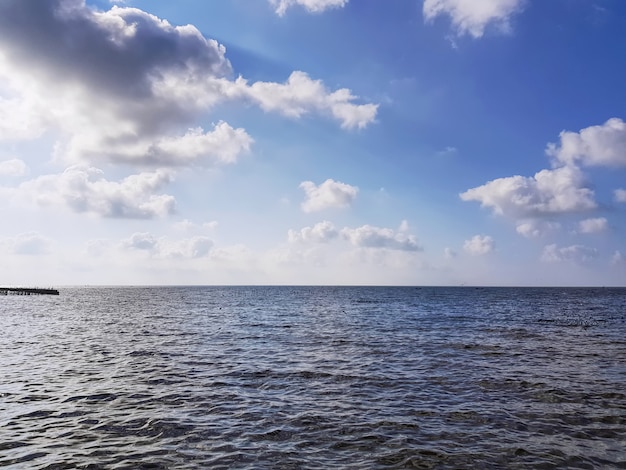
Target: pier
27	291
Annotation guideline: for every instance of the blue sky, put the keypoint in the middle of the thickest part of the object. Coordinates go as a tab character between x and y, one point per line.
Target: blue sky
434	142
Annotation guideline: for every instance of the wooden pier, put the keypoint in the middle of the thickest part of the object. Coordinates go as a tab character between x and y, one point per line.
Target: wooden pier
27	291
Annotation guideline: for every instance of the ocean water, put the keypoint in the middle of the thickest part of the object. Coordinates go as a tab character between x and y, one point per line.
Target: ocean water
313	378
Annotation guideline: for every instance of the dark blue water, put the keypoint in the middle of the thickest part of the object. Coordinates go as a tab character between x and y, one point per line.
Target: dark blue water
313	377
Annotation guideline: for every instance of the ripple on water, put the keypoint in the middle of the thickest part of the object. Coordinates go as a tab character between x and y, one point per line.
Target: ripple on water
313	378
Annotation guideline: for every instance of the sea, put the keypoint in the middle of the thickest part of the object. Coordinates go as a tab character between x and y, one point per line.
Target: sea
313	378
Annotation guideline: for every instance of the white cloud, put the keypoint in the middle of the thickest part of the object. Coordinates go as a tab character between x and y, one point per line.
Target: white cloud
84	189
620	195
368	236
596	225
212	225
322	232
186	248
479	245
603	145
449	253
472	16
560	190
13	167
300	95
236	257
20	119
29	243
329	194
222	145
536	228
98	247
313	6
194	247
618	258
187	225
573	253
141	241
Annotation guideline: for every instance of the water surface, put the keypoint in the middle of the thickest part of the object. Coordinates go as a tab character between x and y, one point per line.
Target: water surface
313	377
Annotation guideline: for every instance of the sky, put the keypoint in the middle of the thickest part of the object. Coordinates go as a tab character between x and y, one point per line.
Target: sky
349	142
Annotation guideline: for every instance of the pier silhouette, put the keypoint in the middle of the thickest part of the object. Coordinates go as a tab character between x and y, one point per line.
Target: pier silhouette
27	291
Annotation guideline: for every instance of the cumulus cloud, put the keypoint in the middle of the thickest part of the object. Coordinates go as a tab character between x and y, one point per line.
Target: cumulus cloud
596	225
603	145
573	253
449	253
368	236
13	167
123	85
479	245
556	191
100	77
561	190
329	194
222	145
186	248
620	195
536	228
84	189
473	16
300	95
141	241
65	39
117	55
322	232
312	6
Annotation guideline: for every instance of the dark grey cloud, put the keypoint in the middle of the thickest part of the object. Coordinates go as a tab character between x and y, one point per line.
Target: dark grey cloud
124	86
123	65
118	52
